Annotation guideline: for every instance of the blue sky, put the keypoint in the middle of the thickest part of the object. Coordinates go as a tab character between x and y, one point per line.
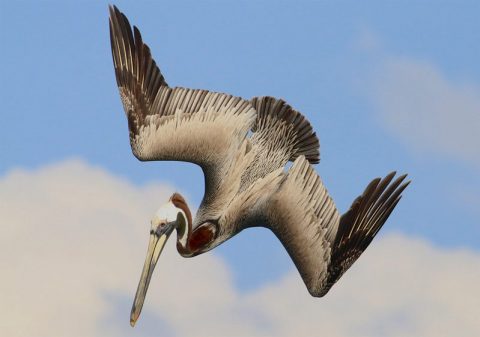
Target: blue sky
387	85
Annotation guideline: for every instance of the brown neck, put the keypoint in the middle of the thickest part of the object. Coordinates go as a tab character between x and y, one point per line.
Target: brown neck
180	202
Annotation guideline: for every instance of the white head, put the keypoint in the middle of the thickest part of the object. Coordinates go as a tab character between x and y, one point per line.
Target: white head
175	214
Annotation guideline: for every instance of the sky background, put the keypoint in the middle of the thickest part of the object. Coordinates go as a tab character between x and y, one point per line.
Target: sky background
387	85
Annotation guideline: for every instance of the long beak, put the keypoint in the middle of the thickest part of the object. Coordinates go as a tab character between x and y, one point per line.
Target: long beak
155	247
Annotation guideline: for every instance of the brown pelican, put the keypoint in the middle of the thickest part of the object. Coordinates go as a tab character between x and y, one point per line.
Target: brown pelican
242	147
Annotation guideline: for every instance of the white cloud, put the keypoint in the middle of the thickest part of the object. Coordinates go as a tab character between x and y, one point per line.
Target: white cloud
426	110
73	239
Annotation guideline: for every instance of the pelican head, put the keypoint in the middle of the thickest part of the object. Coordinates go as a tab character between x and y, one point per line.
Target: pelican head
175	214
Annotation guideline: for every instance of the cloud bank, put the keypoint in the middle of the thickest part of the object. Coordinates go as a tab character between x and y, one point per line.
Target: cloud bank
73	239
426	110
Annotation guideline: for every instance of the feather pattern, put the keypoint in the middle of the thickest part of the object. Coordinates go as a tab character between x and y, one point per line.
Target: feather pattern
280	135
361	223
245	182
322	244
300	212
279	126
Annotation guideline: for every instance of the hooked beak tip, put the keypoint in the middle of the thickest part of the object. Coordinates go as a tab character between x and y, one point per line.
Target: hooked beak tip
133	319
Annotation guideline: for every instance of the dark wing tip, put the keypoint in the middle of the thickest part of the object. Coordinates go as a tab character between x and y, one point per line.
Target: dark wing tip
115	14
362	222
272	112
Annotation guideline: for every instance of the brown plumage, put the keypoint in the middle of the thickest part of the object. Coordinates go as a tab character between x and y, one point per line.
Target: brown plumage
243	147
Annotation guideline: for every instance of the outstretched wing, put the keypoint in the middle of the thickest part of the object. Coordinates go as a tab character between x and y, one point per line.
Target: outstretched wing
166	123
321	243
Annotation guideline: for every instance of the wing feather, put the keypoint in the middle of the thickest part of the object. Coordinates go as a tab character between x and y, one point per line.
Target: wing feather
280	127
322	244
166	123
300	213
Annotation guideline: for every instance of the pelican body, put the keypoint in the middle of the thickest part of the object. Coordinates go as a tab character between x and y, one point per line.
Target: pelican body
242	147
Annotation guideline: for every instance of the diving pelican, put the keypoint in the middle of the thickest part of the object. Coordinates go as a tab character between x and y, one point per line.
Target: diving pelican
242	147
